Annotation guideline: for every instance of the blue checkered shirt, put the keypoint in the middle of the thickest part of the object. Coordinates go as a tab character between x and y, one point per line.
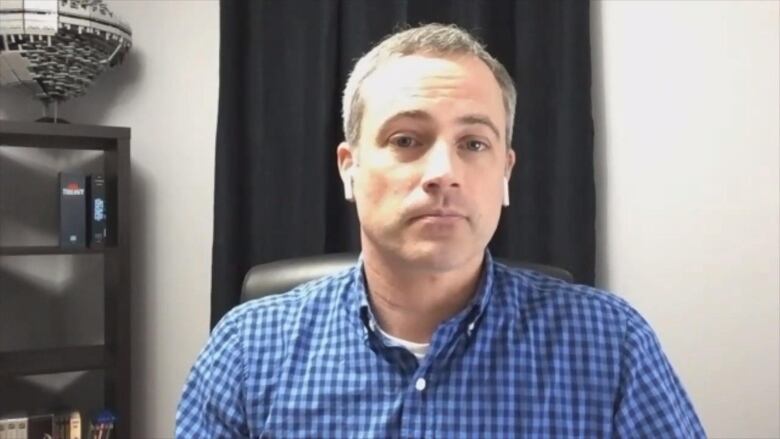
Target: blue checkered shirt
530	357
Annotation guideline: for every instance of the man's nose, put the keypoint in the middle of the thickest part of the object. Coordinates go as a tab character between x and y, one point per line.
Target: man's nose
442	168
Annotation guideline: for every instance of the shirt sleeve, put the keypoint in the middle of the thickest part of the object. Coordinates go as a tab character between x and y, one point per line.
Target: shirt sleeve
652	402
212	402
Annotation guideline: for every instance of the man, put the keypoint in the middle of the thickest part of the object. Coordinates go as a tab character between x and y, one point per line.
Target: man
427	336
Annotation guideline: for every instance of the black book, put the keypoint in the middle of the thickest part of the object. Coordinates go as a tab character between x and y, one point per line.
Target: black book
98	211
73	210
40	426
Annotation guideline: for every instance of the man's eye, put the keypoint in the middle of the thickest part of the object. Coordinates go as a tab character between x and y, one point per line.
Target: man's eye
403	141
476	145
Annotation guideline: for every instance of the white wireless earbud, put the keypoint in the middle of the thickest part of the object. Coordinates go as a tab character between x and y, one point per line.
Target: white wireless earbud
506	191
348	195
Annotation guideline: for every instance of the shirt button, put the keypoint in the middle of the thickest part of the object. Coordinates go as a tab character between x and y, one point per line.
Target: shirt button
420	384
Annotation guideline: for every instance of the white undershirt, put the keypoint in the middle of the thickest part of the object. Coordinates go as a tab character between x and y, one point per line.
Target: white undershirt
417	349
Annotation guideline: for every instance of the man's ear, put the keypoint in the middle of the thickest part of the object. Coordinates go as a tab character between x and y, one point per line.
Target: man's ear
346	160
510	163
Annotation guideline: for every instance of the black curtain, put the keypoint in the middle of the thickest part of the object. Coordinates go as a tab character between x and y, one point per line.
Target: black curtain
283	65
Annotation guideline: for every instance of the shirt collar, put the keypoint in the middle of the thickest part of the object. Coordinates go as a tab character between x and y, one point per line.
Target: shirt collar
355	297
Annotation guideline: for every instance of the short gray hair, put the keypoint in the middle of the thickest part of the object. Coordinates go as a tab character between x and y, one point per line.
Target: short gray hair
431	38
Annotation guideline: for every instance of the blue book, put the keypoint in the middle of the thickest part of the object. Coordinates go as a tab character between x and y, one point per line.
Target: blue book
98	211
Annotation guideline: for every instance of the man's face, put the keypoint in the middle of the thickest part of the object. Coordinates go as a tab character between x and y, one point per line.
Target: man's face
428	171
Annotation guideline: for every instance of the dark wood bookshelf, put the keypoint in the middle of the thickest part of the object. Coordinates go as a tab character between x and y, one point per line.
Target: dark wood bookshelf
113	357
54	360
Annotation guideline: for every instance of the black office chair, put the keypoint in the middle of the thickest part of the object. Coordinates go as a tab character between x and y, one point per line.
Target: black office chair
281	276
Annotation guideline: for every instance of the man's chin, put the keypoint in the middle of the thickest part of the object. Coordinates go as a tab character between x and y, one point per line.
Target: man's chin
439	257
434	254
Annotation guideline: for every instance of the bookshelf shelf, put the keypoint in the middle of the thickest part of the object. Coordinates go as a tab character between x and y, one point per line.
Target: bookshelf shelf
113	308
55	360
60	136
48	250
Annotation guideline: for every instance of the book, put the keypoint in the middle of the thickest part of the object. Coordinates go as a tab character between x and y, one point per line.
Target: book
13	428
61	426
21	428
74	429
40	427
98	211
73	210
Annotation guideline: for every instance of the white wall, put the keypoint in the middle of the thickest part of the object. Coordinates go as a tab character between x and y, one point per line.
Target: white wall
167	93
686	109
